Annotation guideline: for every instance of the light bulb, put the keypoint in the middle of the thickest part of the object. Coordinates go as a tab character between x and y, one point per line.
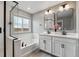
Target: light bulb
60	8
50	11
67	7
46	13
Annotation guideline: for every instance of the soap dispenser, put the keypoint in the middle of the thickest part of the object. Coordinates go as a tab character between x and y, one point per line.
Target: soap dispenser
48	31
64	32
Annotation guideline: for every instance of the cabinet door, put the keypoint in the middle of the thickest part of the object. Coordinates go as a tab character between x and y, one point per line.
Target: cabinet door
42	43
48	45
69	50
58	50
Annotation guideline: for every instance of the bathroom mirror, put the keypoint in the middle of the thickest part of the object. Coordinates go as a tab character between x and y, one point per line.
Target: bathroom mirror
66	19
48	21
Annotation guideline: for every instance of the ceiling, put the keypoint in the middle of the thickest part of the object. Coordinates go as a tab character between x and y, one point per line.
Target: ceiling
36	6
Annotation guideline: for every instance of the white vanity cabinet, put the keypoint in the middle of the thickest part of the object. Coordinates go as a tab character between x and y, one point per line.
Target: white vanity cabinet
65	47
42	43
60	45
45	43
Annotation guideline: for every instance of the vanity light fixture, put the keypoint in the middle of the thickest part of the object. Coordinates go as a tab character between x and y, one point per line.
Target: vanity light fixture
61	8
64	7
48	12
67	7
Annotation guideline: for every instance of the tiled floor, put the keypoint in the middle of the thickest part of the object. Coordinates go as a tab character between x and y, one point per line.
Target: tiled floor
38	53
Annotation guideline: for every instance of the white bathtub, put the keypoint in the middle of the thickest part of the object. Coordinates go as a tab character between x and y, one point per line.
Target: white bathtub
28	49
20	51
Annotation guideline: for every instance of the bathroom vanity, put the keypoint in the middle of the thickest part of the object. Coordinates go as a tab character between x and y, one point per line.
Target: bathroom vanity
60	45
60	21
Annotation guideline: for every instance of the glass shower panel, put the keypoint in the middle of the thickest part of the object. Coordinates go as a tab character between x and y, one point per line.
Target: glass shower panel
1	29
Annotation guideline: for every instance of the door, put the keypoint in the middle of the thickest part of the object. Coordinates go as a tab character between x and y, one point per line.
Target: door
1	30
58	49
69	50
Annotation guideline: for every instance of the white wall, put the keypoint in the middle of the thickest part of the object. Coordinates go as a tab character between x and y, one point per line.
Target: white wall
38	22
38	25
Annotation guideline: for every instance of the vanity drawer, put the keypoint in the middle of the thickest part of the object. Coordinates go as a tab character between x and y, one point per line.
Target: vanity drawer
69	40
45	37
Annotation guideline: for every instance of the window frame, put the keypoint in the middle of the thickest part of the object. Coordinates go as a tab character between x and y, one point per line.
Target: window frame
30	27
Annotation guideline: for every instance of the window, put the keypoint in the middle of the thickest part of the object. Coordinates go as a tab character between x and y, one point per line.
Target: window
21	24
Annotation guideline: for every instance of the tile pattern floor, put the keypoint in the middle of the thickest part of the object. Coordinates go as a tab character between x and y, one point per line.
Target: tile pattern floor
38	53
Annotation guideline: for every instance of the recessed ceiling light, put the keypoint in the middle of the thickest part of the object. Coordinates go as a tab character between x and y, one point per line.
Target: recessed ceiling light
28	8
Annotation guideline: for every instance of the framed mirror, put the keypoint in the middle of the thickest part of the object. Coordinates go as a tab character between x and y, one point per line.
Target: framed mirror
66	19
49	21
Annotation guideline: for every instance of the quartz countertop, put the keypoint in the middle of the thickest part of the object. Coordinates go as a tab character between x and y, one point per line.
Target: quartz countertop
69	35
